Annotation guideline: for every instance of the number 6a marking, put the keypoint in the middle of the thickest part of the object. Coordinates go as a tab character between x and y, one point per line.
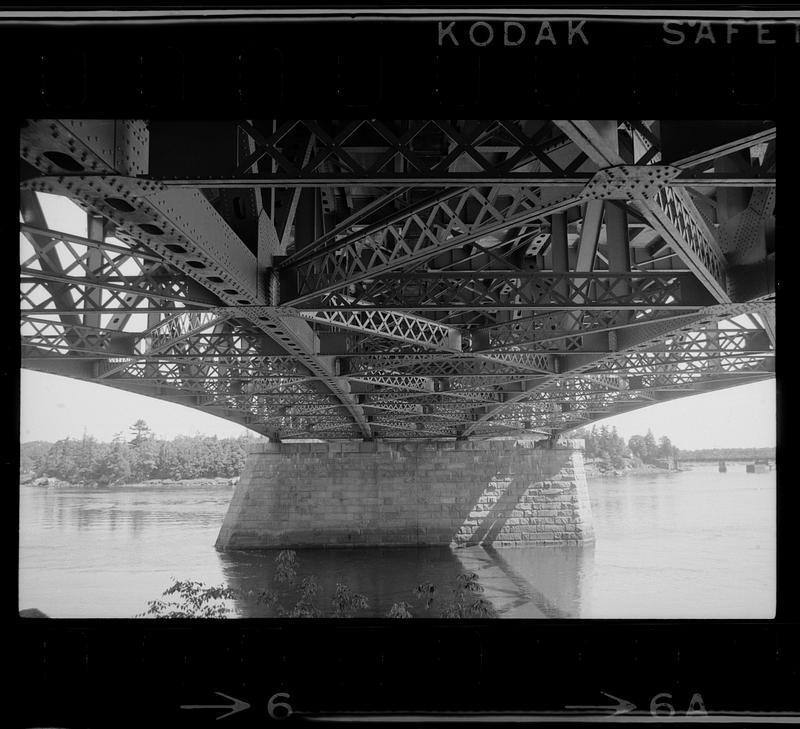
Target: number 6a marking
663	708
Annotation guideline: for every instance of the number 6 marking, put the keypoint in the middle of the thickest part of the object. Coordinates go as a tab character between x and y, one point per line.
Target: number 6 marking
655	705
273	704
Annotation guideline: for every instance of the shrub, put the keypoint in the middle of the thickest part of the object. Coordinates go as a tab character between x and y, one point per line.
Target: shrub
192	599
400	610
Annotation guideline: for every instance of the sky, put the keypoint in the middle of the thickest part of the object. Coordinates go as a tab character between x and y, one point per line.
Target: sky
54	407
737	417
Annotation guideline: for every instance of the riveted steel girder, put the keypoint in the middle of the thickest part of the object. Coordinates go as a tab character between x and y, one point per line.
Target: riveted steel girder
180	226
402	279
670	211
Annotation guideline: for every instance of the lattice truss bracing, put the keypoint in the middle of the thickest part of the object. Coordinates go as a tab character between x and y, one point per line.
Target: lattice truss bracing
399	279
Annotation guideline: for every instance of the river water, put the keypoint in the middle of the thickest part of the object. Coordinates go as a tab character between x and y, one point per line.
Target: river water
693	544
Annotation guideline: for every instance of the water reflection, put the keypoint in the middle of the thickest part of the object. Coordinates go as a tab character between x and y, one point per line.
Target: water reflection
553	577
520	582
384	575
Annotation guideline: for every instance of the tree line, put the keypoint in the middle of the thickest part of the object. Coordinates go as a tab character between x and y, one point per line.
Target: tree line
732	454
607	445
140	458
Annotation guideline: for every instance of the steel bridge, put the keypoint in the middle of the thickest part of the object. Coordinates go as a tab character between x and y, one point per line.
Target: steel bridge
402	279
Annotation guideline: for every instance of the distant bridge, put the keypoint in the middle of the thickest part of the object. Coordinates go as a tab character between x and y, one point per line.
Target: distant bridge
402	279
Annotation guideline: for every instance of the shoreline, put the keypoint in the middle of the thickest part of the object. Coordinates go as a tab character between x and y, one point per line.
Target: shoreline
593	471
154	484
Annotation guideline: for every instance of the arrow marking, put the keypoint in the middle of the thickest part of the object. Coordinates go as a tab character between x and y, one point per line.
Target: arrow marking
234	708
622	707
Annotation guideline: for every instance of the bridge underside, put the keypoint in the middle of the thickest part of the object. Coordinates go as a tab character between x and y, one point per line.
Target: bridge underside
402	279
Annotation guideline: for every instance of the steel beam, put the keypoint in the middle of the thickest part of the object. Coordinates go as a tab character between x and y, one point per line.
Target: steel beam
520	291
390	324
576	364
669	211
179	225
404	239
723	150
442	226
687	179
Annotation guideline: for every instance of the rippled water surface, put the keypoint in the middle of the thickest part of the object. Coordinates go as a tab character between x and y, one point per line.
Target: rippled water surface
681	545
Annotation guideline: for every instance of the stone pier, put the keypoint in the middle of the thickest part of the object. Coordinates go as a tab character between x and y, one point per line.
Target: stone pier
502	493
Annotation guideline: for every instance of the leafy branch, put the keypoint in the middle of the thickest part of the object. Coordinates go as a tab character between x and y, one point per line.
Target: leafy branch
193	599
462	605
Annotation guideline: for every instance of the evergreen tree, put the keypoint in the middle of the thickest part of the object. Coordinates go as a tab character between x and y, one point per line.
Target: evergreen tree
116	466
592	443
636	446
87	459
167	465
650	450
144	460
62	460
32	456
664	447
617	449
141	432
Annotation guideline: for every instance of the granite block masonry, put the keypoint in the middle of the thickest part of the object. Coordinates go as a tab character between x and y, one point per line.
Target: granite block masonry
503	493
